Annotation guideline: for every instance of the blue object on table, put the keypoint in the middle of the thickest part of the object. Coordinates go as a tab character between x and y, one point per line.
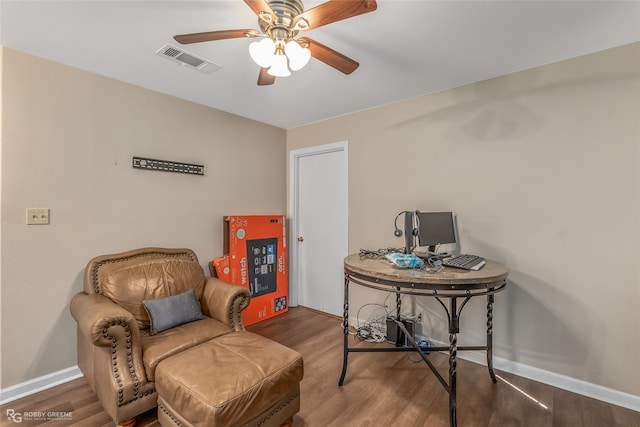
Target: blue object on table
405	261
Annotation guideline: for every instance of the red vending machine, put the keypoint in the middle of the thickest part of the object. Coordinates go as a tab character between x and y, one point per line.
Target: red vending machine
256	248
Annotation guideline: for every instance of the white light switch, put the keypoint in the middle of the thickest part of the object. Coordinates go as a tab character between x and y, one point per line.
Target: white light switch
37	216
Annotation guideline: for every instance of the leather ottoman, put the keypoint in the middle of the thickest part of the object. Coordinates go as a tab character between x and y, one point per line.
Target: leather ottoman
239	379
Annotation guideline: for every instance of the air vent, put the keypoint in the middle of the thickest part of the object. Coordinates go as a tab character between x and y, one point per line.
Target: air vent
188	59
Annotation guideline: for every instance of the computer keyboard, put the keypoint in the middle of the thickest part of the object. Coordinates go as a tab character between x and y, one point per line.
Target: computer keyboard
464	261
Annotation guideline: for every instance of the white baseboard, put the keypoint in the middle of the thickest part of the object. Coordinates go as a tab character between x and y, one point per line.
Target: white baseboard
553	379
35	385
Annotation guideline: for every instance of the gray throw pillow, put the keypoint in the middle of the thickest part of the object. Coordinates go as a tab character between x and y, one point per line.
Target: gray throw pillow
176	310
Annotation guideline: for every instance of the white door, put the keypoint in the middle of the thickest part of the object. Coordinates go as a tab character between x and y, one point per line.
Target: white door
319	232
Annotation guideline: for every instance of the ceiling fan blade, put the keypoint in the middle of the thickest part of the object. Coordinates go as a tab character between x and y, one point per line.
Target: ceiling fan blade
332	11
214	35
264	78
259	6
330	57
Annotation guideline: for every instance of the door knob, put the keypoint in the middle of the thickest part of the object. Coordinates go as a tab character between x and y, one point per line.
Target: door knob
300	239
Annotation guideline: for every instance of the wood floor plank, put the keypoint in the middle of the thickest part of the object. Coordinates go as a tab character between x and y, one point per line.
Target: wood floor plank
380	389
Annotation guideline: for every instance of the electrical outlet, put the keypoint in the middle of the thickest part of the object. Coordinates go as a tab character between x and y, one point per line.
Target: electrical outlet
37	216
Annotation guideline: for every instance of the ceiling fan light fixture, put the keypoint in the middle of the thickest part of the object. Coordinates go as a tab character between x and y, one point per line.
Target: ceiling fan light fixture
262	52
298	56
279	67
278	54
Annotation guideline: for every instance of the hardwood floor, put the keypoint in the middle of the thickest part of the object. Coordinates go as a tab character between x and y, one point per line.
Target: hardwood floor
380	389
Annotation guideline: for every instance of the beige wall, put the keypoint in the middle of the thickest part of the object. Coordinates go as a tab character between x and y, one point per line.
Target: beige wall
67	144
542	170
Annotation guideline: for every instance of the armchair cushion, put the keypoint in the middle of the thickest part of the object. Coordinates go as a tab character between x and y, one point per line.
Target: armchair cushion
130	286
156	348
166	313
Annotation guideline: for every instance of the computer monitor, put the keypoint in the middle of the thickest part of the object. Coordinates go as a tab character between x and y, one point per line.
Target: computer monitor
435	228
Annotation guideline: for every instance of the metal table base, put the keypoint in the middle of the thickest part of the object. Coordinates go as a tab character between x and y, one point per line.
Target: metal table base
457	299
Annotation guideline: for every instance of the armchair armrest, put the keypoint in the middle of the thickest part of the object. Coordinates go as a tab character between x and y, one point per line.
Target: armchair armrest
105	324
95	314
224	302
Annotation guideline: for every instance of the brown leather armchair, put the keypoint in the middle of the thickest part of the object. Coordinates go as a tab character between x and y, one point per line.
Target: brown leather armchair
116	351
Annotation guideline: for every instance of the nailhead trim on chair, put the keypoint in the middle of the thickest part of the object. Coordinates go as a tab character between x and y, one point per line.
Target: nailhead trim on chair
114	361
94	270
234	315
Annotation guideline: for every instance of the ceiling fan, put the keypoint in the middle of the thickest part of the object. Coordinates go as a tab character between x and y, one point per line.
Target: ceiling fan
280	52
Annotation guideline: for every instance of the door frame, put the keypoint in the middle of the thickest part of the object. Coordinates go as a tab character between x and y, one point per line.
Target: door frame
294	176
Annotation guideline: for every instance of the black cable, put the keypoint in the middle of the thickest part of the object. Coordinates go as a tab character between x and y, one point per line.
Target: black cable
378	253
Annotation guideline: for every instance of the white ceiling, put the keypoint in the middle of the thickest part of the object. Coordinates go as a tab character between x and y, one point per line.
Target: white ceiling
405	48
